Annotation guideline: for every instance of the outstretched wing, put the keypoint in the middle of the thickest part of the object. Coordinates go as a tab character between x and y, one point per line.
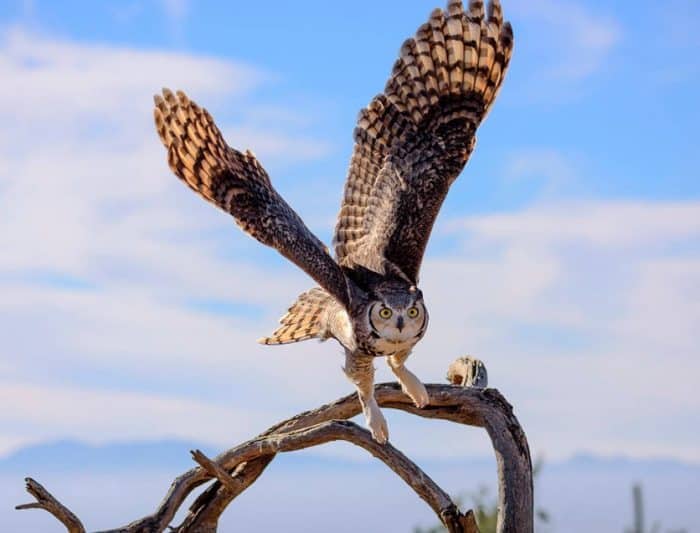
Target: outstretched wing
238	184
413	140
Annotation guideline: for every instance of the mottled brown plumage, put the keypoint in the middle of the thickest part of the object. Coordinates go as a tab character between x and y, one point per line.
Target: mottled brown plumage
238	184
309	317
411	143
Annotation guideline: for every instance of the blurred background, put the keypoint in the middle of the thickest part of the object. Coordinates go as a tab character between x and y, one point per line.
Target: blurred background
567	257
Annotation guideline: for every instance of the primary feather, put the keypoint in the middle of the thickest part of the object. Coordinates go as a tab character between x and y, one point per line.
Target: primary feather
238	184
414	139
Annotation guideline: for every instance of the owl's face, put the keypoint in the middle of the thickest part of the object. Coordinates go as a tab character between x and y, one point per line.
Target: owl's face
397	319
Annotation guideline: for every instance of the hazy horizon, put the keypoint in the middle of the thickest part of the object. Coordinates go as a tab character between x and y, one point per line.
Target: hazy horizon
127	480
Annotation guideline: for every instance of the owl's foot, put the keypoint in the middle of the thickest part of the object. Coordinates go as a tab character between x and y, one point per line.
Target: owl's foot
377	423
417	392
410	384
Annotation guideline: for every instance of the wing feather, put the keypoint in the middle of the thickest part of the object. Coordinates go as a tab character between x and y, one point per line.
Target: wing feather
238	184
413	140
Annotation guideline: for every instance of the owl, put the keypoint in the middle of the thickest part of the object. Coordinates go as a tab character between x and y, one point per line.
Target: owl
411	143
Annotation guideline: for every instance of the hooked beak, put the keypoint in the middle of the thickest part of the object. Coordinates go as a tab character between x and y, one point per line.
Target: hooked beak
399	323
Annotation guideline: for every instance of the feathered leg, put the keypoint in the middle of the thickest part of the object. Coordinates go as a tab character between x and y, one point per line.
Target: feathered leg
359	368
410	384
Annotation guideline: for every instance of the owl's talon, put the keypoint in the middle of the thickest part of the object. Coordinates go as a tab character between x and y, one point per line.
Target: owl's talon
418	394
414	389
377	424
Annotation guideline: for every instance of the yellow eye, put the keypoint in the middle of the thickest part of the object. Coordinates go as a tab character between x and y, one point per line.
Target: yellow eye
385	313
412	312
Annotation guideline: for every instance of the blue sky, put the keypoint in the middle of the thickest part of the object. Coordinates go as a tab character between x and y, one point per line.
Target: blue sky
567	256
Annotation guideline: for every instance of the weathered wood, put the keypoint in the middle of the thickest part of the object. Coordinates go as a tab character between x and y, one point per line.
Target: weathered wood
45	501
237	468
204	513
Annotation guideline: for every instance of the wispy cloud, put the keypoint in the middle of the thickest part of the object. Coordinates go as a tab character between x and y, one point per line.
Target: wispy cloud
567	41
104	251
547	168
555	299
175	12
269	146
99	416
599	224
49	79
590	303
176	9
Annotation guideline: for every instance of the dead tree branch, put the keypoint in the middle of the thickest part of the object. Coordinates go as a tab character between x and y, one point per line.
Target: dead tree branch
239	467
45	501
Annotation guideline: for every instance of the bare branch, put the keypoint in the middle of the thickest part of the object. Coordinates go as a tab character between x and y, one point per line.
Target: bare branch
204	513
237	468
45	501
468	523
215	470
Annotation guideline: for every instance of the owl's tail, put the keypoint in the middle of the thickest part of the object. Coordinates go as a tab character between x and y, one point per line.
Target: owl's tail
307	318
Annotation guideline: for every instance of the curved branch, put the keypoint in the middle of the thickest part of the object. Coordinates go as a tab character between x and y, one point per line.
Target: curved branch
482	408
333	430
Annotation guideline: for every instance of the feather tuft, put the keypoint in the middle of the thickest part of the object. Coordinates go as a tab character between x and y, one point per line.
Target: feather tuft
307	318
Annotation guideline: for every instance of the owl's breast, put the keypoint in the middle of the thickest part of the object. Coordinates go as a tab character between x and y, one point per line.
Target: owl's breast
381	347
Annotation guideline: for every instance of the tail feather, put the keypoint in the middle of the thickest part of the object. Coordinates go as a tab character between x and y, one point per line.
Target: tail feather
307	318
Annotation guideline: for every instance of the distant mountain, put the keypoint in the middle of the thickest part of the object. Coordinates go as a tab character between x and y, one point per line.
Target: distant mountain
582	494
622	463
64	456
75	456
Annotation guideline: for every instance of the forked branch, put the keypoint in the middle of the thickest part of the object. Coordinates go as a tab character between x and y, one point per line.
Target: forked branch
237	468
45	501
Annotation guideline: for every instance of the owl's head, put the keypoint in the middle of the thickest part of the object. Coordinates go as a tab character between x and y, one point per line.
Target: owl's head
397	314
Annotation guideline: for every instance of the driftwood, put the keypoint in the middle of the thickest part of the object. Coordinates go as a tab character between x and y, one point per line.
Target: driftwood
236	469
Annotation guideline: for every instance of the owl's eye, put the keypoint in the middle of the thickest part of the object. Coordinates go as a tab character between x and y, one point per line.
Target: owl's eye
412	312
385	313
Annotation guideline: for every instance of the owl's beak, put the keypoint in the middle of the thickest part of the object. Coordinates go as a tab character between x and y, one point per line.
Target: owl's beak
399	323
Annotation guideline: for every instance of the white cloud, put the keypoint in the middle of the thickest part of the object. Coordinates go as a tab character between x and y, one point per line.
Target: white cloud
551	170
87	200
49	79
268	146
586	315
629	224
175	9
570	42
175	12
82	164
99	416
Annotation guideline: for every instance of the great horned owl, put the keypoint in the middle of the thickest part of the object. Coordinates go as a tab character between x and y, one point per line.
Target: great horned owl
411	143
